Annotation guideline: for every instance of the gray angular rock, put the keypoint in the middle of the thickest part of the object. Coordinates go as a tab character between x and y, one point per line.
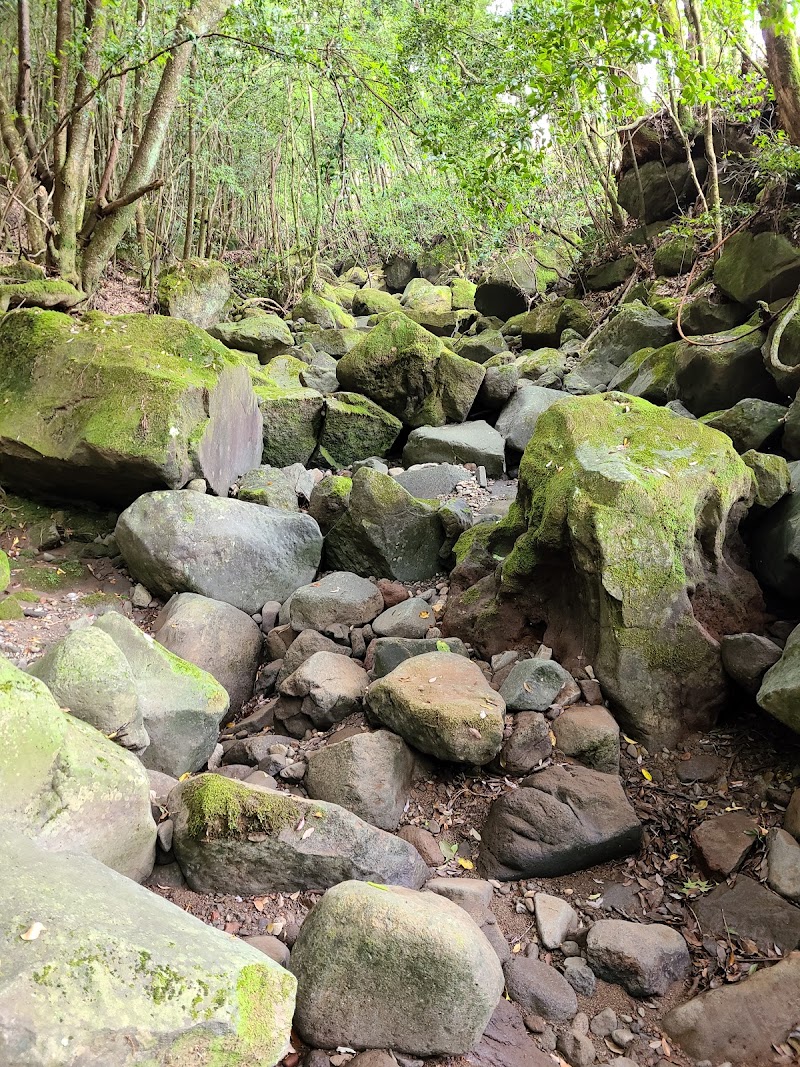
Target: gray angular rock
385	532
261	332
753	911
775	542
555	919
270	486
361	992
534	684
390	652
780	689
474	895
66	786
120	976
751	422
338	598
482	346
331	687
590	735
783	858
469	442
441	704
747	658
303	648
370	774
537	987
194	289
177	542
633	328
517	421
217	637
528	745
560	820
753	267
434	479
645	959
231	837
412	619
580	976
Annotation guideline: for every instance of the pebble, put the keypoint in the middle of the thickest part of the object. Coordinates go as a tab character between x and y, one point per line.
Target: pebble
571	948
577	1049
604	1023
580	976
140	597
535	1023
580	1024
622	1037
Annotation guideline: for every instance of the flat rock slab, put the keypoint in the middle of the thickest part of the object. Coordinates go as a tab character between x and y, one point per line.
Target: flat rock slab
704	767
467	442
539	988
506	1042
741	1023
750	910
644	959
561	820
434	479
120	976
724	841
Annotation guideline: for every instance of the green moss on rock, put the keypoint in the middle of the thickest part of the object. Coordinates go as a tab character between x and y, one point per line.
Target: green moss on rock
221	807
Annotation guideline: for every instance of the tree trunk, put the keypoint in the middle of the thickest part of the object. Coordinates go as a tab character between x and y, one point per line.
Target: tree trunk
783	63
188	237
26	189
201	18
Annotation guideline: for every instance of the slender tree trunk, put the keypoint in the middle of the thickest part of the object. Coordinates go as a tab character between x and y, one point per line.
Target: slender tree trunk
712	182
783	63
26	187
188	237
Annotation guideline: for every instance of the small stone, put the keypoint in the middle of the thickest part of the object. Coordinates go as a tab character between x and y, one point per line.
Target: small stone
576	1049
481	477
197	485
164	834
783	857
643	959
626	1061
622	1037
538	987
580	976
571	948
724	841
555	919
705	767
140	597
535	1023
269	615
548	1040
424	842
270	946
604	1023
580	1024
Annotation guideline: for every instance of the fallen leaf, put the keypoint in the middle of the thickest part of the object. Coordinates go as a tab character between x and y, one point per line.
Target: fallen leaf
32	932
424	614
468	865
701	805
517	947
307	833
184	776
646	774
259	902
475	733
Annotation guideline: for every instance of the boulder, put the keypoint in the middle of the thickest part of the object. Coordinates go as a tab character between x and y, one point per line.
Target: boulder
329	500
560	820
291	413
66	786
219	638
261	332
656	190
645	959
51	294
791	430
555	920
370	774
336	343
231	837
534	684
421	295
753	267
515	278
506	1042
355	428
384	532
539	989
120	976
741	1023
609	275
196	290
411	374
303	648
269	486
783	858
412	618
340	598
747	658
358	960
772	477
181	705
324	312
775	542
543	326
227	550
750	423
753	911
633	328
675	256
518	419
589	735
780	690
390	652
707	313
482	346
719	375
433	479
528	745
330	686
88	673
70	425
463	294
723	842
469	442
623	510
441	704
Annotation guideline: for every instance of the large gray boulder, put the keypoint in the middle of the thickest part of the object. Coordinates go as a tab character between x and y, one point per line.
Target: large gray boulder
634	327
560	820
243	554
775	544
119	976
380	967
518	419
232	837
469	442
182	706
385	532
340	598
753	267
441	704
66	786
780	690
656	190
370	774
411	374
215	636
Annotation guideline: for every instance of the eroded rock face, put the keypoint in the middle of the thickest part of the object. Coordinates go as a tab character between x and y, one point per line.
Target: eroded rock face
382	967
120	975
620	542
196	290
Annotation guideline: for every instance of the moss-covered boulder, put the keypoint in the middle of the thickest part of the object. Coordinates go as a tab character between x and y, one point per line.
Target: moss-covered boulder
780	691
709	312
775	541
291	413
753	267
773	479
516	277
109	407
322	311
381	967
421	295
411	374
231	837
196	290
40	293
658	190
482	346
355	428
229	550
750	423
619	543
675	256
609	275
368	301
543	326
633	328
329	500
261	332
463	294
120	976
66	786
269	486
384	532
